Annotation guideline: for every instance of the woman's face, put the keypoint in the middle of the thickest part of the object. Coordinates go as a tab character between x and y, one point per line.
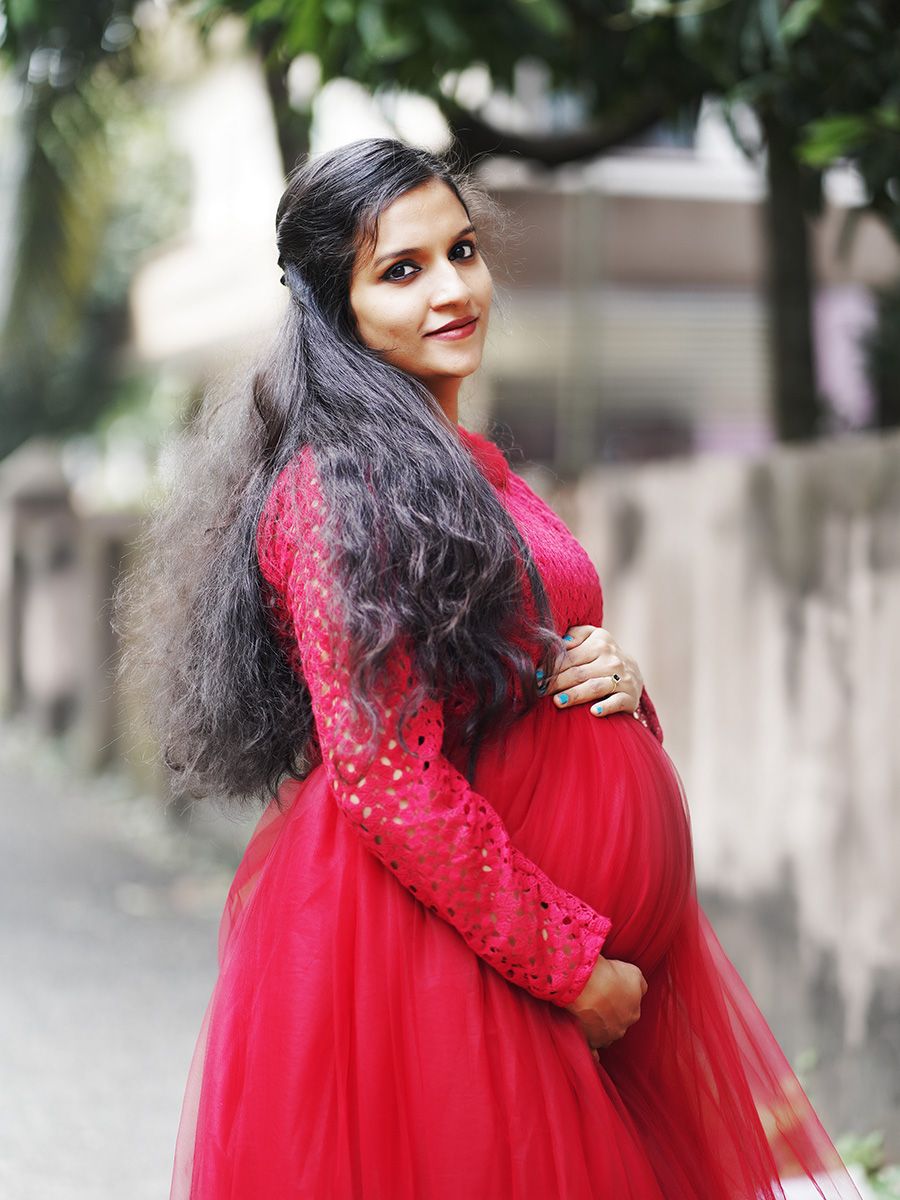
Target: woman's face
424	273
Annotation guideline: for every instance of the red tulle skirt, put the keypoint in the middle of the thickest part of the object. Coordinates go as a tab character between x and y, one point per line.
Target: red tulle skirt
355	1048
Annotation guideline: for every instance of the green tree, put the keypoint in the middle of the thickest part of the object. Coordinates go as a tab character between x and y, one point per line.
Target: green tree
63	312
820	75
803	66
822	78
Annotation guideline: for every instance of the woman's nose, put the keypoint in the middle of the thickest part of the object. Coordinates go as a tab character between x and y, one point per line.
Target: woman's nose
450	287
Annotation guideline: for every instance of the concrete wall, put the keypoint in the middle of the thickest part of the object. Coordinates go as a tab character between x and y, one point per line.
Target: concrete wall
762	599
58	653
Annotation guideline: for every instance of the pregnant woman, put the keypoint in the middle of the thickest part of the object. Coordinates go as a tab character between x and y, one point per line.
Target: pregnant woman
463	955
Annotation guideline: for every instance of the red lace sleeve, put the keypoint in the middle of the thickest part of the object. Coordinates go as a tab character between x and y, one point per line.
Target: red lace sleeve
413	809
646	714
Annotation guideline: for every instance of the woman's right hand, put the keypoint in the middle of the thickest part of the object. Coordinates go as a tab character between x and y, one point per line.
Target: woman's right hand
610	1001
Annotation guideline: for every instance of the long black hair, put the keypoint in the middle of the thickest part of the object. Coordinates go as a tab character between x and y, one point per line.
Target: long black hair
230	714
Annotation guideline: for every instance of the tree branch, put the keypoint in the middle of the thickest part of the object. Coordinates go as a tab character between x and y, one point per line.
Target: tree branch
475	136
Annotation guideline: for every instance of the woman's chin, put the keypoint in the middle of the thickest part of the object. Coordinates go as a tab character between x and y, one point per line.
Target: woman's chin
457	368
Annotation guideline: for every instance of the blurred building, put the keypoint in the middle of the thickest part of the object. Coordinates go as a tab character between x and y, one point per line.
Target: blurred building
631	322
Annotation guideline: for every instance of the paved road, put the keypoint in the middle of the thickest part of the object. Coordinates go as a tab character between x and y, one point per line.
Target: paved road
108	922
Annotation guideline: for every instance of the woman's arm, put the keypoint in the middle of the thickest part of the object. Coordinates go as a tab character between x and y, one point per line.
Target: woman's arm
412	808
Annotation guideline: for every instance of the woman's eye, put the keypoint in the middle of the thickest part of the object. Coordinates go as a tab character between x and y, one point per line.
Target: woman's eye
399	267
470	246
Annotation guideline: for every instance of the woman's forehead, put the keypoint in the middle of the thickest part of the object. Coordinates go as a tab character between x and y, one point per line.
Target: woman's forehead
427	213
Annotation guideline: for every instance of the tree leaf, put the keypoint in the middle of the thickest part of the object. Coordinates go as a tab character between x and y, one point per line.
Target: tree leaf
796	21
832	138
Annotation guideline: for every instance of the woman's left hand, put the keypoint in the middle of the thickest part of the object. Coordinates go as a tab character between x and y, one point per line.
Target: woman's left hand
594	668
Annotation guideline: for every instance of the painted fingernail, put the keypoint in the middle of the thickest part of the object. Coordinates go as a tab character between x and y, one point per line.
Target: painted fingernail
598	709
539	673
567	638
563	698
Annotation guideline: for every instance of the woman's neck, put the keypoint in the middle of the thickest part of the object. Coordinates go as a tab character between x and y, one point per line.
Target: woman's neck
446	392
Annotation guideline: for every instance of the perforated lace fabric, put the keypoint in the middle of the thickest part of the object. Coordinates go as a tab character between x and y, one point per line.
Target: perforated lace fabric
414	810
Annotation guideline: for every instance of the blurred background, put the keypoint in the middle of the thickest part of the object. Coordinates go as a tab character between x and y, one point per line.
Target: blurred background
695	357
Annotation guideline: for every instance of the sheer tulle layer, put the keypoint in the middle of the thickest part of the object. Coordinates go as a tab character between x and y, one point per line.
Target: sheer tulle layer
356	1049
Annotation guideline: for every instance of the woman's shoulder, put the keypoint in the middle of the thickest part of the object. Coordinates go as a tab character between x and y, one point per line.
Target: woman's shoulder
299	468
295	486
287	510
488	455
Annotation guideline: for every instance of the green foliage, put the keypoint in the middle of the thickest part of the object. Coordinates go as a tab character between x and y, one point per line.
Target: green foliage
87	32
867	1150
827	70
832	138
864	1150
821	76
798	18
403	43
94	189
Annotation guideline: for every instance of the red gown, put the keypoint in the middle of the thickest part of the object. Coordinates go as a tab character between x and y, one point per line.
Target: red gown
397	948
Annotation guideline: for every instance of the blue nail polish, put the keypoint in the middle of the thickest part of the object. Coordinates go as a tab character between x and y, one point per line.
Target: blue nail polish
539	673
598	708
567	638
563	699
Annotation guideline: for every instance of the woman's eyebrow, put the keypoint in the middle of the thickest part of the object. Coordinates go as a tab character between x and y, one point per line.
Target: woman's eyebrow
417	249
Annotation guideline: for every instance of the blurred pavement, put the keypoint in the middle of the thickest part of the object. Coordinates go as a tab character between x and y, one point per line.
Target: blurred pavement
108	926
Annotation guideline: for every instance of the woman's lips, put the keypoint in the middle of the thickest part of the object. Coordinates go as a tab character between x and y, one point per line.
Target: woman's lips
453	335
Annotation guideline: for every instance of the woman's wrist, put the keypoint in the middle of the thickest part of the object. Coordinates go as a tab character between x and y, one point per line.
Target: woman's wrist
580	1003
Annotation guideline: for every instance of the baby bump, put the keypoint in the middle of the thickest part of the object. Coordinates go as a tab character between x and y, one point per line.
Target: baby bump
597	804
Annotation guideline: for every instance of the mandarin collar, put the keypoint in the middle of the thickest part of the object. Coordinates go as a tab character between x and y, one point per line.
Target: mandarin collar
489	457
